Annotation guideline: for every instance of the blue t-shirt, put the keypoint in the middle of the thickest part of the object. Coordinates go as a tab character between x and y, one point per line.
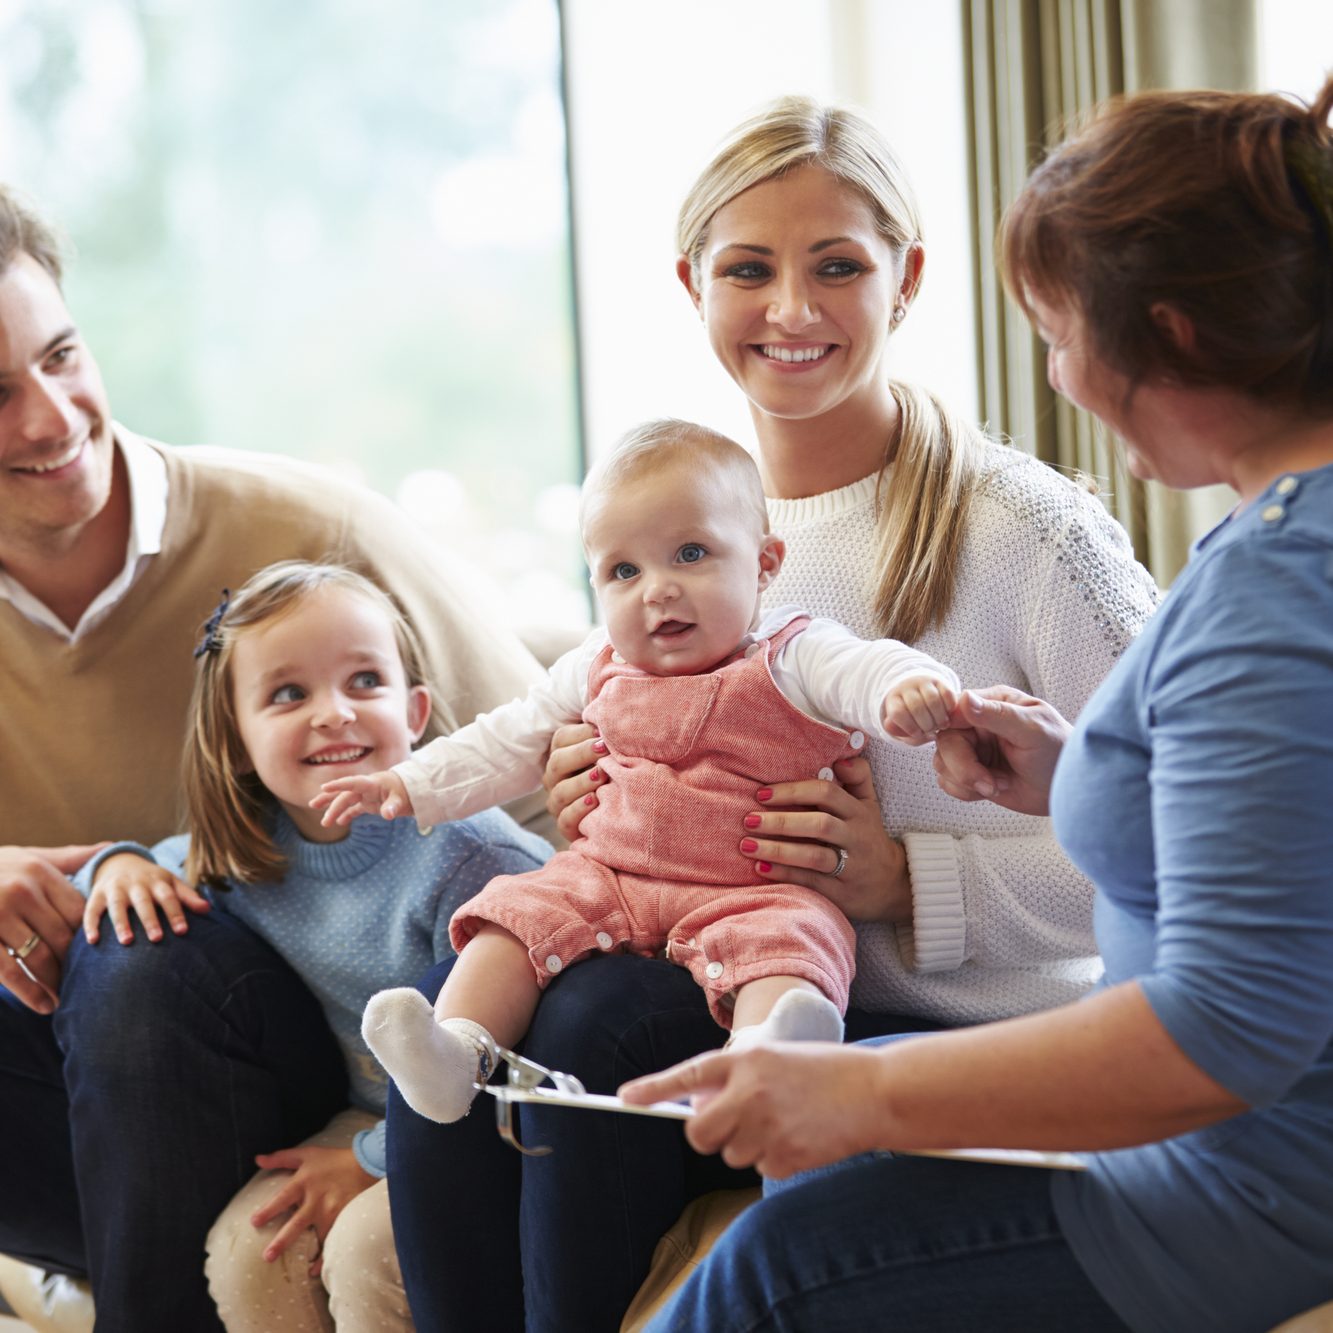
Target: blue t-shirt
1195	793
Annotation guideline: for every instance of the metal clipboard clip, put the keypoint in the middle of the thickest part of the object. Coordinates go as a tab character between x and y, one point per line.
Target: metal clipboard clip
524	1084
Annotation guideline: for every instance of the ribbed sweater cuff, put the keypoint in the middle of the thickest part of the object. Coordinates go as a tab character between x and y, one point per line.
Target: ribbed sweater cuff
936	938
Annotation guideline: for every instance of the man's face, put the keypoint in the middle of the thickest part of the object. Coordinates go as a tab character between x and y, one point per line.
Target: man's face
55	424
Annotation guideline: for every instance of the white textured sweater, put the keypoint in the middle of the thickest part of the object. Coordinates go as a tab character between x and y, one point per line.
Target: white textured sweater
1047	596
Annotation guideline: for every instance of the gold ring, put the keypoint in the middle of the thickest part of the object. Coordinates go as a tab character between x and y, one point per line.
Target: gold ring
26	947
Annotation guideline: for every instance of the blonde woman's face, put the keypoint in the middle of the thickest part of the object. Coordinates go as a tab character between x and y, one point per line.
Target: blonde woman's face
797	287
320	693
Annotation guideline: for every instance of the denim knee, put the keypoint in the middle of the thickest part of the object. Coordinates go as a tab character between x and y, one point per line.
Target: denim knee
613	1017
114	998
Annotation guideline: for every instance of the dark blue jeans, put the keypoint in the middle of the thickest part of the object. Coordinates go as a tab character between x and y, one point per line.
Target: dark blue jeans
130	1117
895	1243
491	1240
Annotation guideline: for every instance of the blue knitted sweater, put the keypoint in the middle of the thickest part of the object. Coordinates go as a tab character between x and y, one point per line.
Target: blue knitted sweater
369	912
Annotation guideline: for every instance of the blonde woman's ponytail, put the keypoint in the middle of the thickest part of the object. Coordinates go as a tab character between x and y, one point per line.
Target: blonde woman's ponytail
923	514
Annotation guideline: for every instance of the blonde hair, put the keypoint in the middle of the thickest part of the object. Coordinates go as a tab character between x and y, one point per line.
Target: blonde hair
229	811
939	457
668	442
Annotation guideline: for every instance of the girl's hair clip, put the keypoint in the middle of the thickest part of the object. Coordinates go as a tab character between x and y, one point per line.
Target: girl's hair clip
212	640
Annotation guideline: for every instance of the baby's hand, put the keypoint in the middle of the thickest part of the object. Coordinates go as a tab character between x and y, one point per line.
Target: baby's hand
917	707
127	880
345	798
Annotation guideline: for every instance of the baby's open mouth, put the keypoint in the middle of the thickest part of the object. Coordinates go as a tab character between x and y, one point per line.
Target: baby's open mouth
669	628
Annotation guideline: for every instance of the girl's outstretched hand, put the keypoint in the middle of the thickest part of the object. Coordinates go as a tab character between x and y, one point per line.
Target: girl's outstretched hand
781	1109
323	1181
1001	745
128	881
377	793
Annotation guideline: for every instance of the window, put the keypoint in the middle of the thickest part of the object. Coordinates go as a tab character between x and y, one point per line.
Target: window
326	229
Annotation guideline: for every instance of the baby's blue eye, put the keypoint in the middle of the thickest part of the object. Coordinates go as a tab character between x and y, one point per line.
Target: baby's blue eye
691	553
288	694
366	680
624	570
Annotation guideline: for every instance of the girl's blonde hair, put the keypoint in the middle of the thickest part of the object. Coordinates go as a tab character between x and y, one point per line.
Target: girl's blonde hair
229	811
939	457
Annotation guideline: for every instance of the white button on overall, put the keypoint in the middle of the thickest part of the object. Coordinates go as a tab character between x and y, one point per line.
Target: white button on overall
604	941
825	775
553	963
1287	485
1271	513
714	970
856	740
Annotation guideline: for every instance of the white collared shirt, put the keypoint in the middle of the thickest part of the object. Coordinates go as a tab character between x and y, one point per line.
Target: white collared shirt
147	473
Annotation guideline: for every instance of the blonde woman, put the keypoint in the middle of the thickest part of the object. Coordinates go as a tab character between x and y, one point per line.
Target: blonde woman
1192	310
801	248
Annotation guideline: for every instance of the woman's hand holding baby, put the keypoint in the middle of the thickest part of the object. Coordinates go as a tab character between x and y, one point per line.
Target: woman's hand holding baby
323	1181
572	776
801	829
1002	746
127	881
377	793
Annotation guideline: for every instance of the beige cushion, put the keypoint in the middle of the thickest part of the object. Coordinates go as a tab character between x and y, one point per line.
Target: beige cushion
46	1302
682	1249
1319	1320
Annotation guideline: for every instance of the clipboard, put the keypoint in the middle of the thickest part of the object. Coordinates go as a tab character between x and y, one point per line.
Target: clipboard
526	1078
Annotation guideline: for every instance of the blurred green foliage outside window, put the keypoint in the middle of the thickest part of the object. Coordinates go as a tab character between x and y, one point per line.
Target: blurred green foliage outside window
329	228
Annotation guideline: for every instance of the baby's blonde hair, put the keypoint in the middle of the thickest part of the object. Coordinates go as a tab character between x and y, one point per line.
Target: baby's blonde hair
671	444
229	811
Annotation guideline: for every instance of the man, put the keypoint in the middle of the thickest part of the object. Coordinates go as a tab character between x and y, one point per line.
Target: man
137	1083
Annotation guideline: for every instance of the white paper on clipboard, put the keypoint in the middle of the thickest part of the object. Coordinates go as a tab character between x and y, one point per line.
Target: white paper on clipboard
596	1101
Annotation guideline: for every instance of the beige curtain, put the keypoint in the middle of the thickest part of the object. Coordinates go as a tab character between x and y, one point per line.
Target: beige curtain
1033	66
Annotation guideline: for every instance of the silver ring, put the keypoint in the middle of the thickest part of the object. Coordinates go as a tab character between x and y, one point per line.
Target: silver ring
842	863
26	947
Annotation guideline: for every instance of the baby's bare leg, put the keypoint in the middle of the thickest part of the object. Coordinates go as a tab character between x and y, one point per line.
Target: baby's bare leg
434	1056
783	1009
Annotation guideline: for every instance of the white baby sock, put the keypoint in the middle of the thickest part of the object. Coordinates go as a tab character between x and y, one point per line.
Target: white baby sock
433	1064
800	1015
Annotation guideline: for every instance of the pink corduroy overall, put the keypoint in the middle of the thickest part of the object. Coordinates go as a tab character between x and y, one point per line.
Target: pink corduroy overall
658	865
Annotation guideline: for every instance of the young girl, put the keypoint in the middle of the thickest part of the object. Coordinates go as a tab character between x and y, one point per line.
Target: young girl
695	697
312	671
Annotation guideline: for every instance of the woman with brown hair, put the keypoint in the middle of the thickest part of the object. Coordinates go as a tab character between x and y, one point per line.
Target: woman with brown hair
1177	256
801	248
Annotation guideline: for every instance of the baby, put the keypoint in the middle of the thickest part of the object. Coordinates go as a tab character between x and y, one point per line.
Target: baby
699	702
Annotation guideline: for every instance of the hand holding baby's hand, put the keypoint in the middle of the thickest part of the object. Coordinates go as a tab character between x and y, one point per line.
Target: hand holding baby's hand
378	793
917	707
